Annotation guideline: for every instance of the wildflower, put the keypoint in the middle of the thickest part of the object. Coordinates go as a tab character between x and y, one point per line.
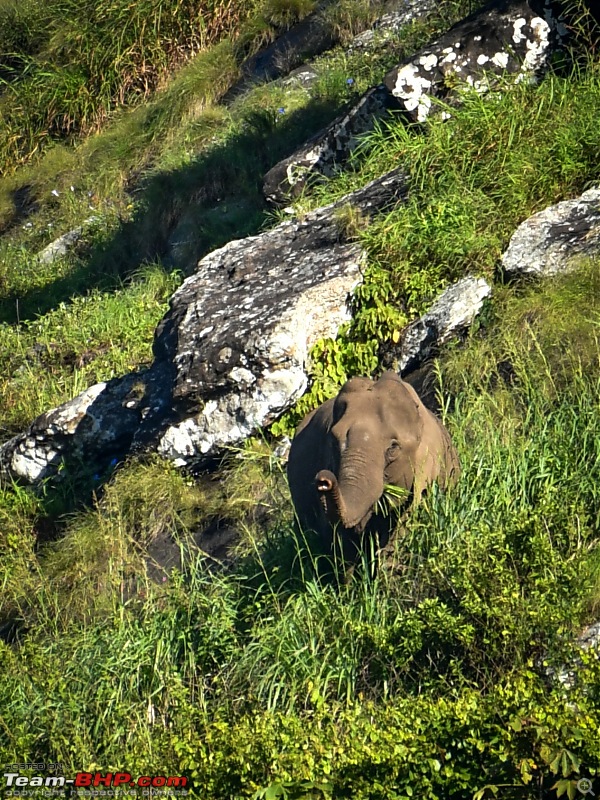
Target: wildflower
350	81
281	110
54	192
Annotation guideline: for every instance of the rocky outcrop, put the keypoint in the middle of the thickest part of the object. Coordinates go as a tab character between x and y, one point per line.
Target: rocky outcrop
230	354
567	674
386	27
239	330
453	312
327	149
65	243
307	38
503	37
313	35
99	426
553	240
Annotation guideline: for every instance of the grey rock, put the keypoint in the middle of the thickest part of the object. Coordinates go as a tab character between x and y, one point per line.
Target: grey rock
65	243
453	311
281	450
503	37
588	639
553	240
239	330
230	354
323	152
307	38
99	423
303	76
389	25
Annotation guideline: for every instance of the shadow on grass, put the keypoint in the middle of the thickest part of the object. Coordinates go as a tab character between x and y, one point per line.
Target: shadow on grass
218	197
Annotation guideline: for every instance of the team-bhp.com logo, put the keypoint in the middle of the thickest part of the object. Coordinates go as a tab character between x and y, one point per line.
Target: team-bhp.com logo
92	780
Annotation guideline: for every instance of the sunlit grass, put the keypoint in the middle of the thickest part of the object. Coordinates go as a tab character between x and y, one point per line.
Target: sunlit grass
49	360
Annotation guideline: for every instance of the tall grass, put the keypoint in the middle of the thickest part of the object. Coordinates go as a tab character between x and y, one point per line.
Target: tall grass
475	177
445	644
71	64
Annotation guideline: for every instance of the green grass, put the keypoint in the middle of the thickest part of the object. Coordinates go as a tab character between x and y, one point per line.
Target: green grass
69	66
428	677
101	335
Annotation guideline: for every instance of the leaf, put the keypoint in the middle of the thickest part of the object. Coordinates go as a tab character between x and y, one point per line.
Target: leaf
274	791
574	760
561	787
480	793
554	766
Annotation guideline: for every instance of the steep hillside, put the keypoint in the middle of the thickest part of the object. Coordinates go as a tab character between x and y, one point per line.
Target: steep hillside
158	621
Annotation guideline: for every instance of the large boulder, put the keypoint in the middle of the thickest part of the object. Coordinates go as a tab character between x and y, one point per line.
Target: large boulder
553	240
230	354
514	37
452	313
98	425
307	38
388	25
504	37
239	331
314	34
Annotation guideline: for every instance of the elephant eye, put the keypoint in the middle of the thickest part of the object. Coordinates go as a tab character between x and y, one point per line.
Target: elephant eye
393	451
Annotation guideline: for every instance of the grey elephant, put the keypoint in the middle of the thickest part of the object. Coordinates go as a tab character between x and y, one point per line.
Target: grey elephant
345	452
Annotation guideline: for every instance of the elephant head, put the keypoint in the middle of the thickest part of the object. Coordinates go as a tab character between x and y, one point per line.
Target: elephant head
372	434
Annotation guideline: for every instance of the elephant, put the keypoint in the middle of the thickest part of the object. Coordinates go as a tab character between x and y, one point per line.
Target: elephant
345	452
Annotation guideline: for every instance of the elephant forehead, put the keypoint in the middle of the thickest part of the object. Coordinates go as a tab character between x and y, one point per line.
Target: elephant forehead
362	422
357	384
387	407
368	423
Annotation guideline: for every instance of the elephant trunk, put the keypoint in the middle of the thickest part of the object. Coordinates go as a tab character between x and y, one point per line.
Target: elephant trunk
349	508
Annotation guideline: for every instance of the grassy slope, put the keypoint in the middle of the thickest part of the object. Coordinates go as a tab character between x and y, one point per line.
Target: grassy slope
426	682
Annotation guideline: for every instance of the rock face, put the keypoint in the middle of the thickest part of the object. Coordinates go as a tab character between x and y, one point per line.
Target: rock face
309	37
453	311
97	425
389	24
588	639
313	35
324	151
65	243
503	37
551	241
239	330
229	355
